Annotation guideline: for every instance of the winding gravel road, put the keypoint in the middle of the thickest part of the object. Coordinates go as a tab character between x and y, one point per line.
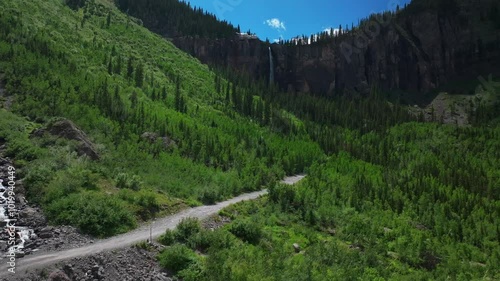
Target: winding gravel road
128	239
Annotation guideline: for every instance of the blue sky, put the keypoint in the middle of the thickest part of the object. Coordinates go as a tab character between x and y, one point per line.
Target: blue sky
286	19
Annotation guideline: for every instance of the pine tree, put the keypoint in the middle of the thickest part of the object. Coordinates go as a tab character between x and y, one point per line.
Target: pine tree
228	98
234	96
184	105
110	66
133	99
130	68
118	108
227	90
259	111
164	94
267	113
178	98
118	66
248	107
153	95
108	19
139	75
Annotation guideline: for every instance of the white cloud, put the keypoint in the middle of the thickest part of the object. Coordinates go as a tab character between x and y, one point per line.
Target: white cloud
276	24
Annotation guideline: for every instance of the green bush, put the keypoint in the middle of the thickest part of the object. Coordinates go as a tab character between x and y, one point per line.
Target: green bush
177	258
193	272
145	245
200	241
185	231
209	196
187	228
22	149
70	181
134	183
93	213
36	178
123	180
168	238
246	230
144	203
148	203
207	240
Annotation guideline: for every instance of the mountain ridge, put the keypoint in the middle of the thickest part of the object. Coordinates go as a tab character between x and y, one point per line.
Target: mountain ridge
467	43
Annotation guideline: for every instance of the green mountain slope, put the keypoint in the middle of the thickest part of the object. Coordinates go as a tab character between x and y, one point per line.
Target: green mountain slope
117	81
425	207
392	199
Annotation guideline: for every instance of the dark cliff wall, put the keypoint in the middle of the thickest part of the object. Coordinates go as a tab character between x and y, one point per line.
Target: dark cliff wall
414	51
245	55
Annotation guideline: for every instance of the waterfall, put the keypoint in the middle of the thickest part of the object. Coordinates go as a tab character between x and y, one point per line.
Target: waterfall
271	67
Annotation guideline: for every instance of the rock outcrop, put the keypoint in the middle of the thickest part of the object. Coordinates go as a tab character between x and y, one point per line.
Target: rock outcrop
154	137
66	129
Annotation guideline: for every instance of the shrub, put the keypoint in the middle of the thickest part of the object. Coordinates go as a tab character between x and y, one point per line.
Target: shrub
176	258
220	240
22	149
93	213
193	272
209	196
123	180
200	241
134	183
88	179
148	204
144	245
168	238
187	228
36	179
144	203
70	181
205	240
246	230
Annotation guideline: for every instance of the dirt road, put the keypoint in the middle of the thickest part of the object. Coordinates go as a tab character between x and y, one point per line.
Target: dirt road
141	234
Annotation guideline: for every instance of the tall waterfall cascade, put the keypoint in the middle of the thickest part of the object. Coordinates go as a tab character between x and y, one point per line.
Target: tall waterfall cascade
271	67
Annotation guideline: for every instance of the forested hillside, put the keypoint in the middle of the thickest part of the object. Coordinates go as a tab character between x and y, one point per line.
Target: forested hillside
417	202
157	117
110	125
173	18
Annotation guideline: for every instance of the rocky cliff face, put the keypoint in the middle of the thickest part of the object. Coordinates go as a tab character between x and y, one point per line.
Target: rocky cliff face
412	52
239	53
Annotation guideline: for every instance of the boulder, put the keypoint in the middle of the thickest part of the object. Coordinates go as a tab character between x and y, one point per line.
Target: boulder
58	275
46	233
148	136
68	270
97	272
296	247
153	137
68	130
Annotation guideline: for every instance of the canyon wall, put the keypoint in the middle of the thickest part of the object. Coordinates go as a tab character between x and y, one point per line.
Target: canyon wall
409	52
